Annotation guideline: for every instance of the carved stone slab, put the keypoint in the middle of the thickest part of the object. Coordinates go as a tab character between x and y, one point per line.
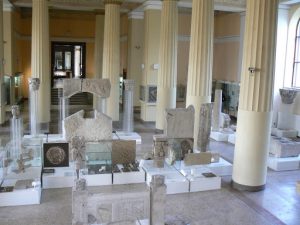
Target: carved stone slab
216	122
99	87
92	129
123	151
180	122
71	87
198	158
204	127
284	147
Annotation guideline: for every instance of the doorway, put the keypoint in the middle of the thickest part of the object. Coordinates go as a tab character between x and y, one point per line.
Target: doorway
67	60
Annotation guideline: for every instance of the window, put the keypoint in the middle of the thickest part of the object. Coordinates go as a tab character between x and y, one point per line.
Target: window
296	66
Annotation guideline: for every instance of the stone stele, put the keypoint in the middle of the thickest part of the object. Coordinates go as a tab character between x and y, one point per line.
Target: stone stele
180	122
216	122
205	126
92	129
123	151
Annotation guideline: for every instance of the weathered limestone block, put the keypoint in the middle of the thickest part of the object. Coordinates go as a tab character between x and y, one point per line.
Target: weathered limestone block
180	122
123	151
204	127
92	129
79	203
99	87
198	158
160	150
157	200
71	87
216	122
284	147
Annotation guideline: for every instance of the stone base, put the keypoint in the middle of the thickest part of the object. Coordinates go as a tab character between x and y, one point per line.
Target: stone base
221	168
284	133
242	187
284	147
98	179
282	164
128	136
61	178
231	138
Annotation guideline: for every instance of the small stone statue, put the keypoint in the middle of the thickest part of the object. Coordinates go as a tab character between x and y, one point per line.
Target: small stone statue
34	84
78	153
15	111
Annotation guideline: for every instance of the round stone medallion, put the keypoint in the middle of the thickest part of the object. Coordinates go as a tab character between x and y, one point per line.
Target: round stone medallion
56	155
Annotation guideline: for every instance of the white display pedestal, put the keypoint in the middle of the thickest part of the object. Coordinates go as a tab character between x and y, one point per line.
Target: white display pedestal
199	182
231	138
140	222
284	133
61	178
132	177
221	168
219	136
51	137
29	196
98	179
282	164
128	136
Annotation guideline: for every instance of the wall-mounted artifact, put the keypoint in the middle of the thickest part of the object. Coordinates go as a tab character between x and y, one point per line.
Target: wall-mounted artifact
56	154
142	93
152	94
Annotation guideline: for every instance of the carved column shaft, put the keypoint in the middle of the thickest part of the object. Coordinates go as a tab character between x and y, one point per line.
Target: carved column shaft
200	58
167	72
40	62
111	55
254	121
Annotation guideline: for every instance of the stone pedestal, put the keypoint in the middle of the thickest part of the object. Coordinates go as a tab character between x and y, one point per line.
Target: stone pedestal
160	149
167	72
40	53
255	102
158	191
200	59
111	55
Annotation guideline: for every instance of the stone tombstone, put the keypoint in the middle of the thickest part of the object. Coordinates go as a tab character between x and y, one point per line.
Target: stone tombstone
78	153
15	111
204	127
287	95
180	122
160	150
216	121
97	128
34	84
99	87
157	200
123	151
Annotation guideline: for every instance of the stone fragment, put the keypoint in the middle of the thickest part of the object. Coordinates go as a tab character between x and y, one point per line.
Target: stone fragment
284	147
99	87
123	151
157	200
216	121
160	150
180	122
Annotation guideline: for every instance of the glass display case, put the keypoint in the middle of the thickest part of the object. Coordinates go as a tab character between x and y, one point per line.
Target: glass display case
13	88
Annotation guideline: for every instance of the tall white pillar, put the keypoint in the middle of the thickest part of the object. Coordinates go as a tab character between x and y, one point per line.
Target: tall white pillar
200	59
99	33
167	72
111	55
255	102
2	105
40	57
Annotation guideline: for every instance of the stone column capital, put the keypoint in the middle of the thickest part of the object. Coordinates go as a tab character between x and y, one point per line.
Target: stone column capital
129	85
113	2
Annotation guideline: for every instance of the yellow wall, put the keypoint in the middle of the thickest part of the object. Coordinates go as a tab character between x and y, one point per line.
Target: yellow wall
64	26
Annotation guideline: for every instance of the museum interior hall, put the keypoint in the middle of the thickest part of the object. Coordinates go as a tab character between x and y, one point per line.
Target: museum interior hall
150	112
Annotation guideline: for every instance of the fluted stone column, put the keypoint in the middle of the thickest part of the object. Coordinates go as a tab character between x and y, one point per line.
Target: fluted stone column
40	61
99	32
200	58
255	102
2	105
167	72
111	55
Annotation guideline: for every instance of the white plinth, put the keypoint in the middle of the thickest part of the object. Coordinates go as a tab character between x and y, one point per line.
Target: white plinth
231	138
282	164
98	179
61	178
175	182
30	196
284	133
128	136
139	222
219	136
221	168
198	182
133	177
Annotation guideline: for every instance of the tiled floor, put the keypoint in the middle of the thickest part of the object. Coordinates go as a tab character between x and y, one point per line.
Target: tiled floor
277	204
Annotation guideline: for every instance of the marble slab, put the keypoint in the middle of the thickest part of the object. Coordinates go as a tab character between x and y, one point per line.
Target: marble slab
180	122
284	147
92	129
99	87
71	87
